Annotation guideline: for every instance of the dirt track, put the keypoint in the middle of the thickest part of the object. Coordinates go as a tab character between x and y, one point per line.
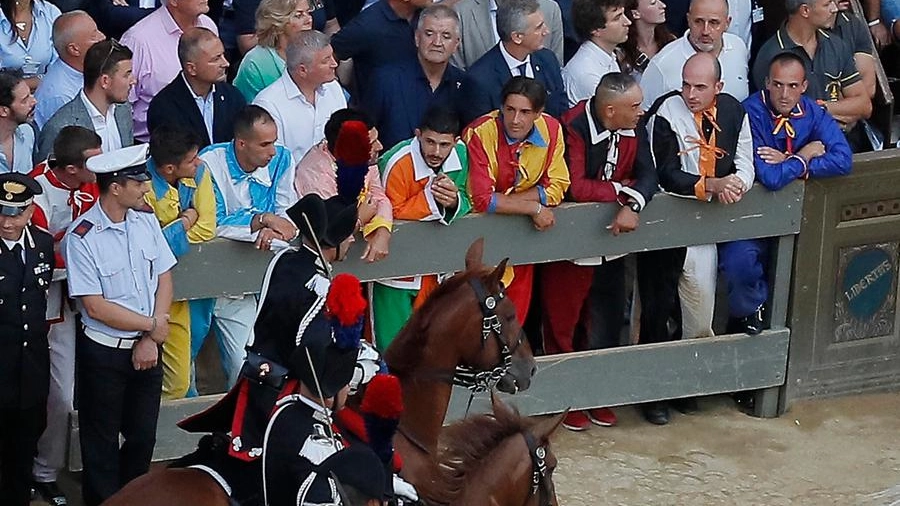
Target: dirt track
828	452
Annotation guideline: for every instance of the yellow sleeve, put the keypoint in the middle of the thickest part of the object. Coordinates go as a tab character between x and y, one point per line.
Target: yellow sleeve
205	205
557	172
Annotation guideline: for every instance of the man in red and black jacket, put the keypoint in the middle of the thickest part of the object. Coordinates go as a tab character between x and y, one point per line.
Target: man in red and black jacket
609	161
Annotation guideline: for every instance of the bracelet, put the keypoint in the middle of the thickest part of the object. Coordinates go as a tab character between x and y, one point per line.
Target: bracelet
261	224
152	324
540	208
874	22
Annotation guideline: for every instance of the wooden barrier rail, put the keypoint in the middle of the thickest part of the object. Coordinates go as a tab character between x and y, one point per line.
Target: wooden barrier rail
626	375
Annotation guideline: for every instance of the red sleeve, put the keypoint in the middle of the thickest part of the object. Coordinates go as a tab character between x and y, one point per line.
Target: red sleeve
481	182
582	188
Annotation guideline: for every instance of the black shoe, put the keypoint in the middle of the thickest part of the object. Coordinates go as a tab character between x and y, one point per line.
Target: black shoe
50	493
686	406
745	401
656	413
751	324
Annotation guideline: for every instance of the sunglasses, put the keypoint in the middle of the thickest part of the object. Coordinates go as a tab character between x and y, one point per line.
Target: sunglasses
114	45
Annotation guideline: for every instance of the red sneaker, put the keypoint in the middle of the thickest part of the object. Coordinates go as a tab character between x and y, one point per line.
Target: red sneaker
603	417
576	421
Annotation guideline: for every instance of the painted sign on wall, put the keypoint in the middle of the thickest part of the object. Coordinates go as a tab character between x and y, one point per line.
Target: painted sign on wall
866	291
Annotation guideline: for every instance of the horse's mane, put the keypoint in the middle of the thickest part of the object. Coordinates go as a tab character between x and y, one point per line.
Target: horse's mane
403	353
464	446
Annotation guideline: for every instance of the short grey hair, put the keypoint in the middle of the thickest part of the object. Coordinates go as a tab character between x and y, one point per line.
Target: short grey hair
439	11
792	6
512	16
612	85
304	46
65	28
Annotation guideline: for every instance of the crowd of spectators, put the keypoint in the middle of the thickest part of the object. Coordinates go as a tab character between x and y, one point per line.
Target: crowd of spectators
487	106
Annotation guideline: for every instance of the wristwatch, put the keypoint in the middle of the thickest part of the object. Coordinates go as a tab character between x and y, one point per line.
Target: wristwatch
634	206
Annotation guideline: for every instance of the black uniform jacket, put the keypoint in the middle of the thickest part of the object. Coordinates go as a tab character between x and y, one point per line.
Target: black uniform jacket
24	352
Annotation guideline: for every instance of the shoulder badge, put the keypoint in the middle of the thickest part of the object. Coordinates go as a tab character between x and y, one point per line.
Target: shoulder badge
83	228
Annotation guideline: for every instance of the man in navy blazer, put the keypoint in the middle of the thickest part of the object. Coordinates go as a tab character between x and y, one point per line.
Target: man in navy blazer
520	52
114	19
199	99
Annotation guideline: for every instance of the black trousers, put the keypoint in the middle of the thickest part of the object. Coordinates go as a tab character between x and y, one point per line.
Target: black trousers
20	430
113	399
658	273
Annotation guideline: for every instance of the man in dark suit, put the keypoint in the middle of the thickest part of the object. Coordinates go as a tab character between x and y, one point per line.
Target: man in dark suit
102	106
520	52
26	266
199	99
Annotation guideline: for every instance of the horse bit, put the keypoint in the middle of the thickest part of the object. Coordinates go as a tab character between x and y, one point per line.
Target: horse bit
476	380
539	476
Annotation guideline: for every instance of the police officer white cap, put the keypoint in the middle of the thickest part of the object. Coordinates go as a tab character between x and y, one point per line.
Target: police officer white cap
130	162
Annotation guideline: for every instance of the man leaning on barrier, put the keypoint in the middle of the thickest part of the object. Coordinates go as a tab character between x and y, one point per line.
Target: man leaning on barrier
516	166
793	138
700	140
609	161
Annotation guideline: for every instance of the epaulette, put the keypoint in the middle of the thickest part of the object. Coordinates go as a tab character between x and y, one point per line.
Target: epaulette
83	228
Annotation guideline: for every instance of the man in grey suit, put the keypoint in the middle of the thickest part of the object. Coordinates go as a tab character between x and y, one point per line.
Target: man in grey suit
102	106
478	30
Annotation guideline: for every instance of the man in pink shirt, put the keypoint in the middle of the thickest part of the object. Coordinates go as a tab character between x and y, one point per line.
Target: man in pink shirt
154	42
316	173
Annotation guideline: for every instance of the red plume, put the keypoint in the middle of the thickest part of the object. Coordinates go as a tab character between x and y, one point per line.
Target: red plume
352	144
383	397
345	301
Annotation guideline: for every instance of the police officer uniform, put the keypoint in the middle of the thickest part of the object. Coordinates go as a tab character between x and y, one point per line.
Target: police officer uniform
122	262
26	266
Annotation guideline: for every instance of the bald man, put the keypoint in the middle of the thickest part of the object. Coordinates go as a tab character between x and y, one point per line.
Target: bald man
707	22
702	147
73	34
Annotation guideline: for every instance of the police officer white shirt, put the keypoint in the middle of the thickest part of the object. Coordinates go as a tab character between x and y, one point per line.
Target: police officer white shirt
120	261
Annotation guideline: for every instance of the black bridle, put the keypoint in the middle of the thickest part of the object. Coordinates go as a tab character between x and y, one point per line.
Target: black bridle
477	380
540	476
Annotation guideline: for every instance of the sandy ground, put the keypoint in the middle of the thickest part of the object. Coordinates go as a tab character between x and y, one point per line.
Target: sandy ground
842	451
827	452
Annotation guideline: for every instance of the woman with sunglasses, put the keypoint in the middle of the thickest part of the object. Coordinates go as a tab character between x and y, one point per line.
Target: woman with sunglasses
277	21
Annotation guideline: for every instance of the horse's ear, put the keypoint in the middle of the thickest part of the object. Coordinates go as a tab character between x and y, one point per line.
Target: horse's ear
493	281
474	254
502	410
546	427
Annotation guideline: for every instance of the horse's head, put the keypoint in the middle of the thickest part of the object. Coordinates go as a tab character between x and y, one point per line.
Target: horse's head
502	459
503	349
539	474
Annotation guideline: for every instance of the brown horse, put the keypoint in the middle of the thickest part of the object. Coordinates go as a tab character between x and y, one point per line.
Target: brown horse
500	459
467	321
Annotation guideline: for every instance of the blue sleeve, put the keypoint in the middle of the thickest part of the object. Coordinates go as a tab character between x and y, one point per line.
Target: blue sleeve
239	218
176	237
773	176
838	158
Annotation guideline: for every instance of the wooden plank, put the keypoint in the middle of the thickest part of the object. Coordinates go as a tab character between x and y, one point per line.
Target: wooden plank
222	267
645	373
626	375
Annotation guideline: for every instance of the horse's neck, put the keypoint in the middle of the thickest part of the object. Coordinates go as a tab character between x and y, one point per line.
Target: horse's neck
425	406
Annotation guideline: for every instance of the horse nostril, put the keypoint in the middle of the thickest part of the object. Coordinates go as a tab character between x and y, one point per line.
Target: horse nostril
533	370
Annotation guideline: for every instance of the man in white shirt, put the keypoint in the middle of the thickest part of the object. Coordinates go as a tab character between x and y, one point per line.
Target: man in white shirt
253	181
102	106
707	22
302	99
602	25
73	34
